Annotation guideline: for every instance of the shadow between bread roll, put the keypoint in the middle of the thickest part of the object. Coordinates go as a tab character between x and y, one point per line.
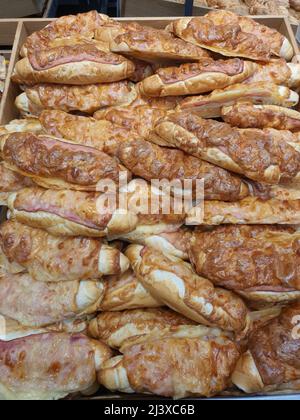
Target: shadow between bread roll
174	283
264	262
38	304
125	292
115	328
210	106
268	156
272	361
58	164
72	65
231	35
247	115
53	366
250	211
196	78
69	213
53	259
173	366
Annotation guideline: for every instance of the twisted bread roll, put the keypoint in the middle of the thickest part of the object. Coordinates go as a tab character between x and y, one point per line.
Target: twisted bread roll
256	93
52	259
126	292
269	156
196	78
38	304
174	282
53	365
264	261
231	35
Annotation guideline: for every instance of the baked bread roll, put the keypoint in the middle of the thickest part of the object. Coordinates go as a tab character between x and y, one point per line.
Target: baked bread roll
250	211
173	241
37	304
147	43
261	155
295	4
14	330
176	366
66	42
264	261
54	163
53	365
83	25
231	35
10	182
173	282
53	259
115	328
260	93
72	65
272	361
22	126
130	118
196	78
101	135
126	292
87	99
246	115
277	71
149	161
69	213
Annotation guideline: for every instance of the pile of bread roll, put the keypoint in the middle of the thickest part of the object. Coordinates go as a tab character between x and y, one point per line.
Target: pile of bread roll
148	302
289	8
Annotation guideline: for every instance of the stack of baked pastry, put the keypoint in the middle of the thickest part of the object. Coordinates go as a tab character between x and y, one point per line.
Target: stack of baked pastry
143	301
288	8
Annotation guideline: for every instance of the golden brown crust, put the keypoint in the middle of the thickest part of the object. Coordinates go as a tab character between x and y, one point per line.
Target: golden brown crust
58	164
87	99
274	352
101	135
277	71
176	367
174	282
126	292
148	44
130	118
250	211
232	35
244	115
114	328
84	24
52	259
256	93
260	155
53	365
150	161
72	65
196	78
11	181
38	304
262	259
